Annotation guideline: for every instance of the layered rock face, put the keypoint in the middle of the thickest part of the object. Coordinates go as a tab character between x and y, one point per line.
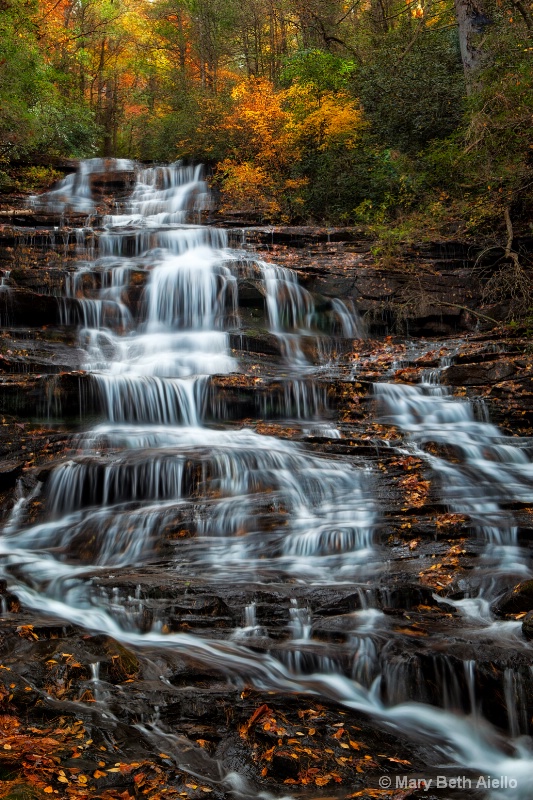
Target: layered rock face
259	497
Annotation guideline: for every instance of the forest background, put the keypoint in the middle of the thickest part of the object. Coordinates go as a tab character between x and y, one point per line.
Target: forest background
411	117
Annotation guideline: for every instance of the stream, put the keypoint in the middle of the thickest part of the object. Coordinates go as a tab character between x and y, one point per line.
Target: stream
169	474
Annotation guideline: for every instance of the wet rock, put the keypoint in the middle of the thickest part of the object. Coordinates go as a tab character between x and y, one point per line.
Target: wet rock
251	294
298	235
256	342
119	183
27	308
517	601
478	374
341	605
10	471
527	626
124	665
42	281
235	756
68	395
284	766
430	304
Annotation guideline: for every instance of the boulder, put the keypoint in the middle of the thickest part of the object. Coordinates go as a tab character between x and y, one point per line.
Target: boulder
516	601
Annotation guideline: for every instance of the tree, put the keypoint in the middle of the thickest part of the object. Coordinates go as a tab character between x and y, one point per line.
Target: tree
472	22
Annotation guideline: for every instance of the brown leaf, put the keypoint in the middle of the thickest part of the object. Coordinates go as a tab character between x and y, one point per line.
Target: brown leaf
258	713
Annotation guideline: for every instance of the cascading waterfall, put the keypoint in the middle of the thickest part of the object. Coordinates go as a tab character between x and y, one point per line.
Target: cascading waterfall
292	313
154	371
74	193
165	195
486	472
153	465
491	470
5	297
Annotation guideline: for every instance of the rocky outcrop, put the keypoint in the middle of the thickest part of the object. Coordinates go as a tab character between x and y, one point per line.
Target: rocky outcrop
478	374
433	290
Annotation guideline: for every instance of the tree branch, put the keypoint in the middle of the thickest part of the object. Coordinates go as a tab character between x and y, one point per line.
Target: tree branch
470	311
509	252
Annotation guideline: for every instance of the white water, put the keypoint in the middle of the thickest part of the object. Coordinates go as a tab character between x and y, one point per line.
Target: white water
153	464
74	192
482	471
489	469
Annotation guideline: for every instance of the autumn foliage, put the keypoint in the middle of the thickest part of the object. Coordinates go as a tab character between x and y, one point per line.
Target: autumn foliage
348	113
269	132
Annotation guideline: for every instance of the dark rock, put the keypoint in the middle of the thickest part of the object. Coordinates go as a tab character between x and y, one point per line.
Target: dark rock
285	766
516	601
250	294
300	235
10	471
341	605
27	308
66	395
256	342
527	626
478	374
117	182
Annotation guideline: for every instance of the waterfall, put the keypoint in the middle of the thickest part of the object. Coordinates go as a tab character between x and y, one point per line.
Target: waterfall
153	479
490	469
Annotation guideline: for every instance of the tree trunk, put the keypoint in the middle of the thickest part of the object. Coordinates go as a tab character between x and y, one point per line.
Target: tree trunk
472	20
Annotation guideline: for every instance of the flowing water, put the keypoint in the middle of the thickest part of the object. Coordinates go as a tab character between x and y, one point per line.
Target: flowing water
166	457
481	472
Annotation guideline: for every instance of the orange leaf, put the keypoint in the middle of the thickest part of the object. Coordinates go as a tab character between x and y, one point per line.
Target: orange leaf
258	713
